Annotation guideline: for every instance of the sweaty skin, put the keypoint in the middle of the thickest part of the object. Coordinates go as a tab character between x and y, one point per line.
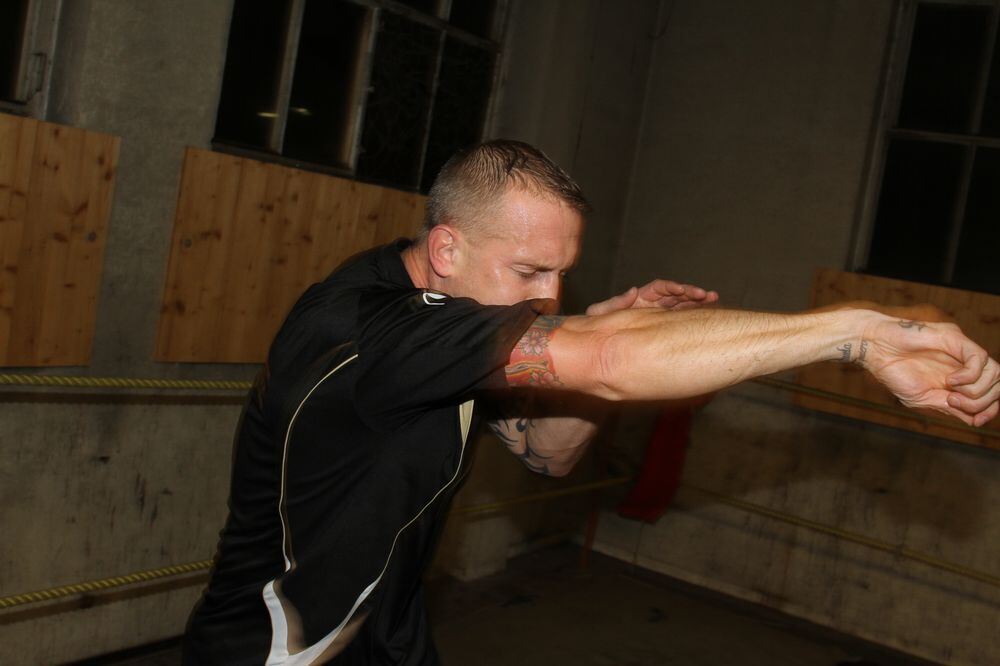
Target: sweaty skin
656	342
667	355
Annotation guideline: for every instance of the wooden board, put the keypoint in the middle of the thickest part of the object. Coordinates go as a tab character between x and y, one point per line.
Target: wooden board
978	315
56	184
249	238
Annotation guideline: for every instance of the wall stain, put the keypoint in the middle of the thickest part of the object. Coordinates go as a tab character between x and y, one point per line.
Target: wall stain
140	492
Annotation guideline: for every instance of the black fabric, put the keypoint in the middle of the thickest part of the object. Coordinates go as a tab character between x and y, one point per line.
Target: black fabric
358	404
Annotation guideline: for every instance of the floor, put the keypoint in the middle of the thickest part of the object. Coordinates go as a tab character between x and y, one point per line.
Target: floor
545	611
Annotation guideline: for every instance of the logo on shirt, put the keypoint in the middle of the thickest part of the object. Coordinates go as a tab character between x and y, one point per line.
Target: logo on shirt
432	298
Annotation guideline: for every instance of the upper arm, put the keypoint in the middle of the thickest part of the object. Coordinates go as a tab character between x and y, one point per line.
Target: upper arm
415	352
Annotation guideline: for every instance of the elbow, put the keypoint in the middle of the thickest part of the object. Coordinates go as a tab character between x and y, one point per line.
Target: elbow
554	469
560	472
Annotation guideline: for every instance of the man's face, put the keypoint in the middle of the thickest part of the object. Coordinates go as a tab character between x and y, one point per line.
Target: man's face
539	241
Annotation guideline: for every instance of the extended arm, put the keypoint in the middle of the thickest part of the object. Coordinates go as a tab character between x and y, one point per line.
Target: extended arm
651	354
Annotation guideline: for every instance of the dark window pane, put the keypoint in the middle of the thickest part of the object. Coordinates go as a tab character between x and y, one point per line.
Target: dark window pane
476	16
914	212
326	67
990	124
425	6
247	106
977	266
396	114
460	105
943	68
13	14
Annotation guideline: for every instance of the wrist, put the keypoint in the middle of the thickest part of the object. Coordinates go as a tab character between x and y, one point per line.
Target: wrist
856	335
867	321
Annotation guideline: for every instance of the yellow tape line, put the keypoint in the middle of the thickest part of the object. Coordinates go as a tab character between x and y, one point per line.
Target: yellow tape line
103	584
124	382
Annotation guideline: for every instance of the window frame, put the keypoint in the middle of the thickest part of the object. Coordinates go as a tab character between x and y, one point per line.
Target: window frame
359	93
895	62
38	46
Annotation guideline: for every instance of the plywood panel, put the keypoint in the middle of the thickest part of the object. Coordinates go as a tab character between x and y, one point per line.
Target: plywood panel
249	238
56	185
90	211
395	215
16	155
342	227
978	314
44	247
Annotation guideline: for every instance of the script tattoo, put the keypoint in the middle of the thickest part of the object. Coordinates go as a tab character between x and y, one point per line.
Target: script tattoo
919	325
531	361
845	353
862	352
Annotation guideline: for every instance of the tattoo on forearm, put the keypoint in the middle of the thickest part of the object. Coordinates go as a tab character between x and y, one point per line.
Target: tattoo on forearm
845	352
862	352
531	458
512	432
531	360
919	325
501	429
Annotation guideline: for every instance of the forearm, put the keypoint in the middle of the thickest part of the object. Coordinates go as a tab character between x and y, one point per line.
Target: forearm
665	355
651	355
558	442
550	437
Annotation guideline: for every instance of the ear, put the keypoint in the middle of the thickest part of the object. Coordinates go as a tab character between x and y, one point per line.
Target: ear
442	249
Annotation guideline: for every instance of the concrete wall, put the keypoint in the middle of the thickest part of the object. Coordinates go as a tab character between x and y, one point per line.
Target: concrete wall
752	146
747	179
92	489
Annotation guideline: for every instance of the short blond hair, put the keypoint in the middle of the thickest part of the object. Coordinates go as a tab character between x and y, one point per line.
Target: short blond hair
469	189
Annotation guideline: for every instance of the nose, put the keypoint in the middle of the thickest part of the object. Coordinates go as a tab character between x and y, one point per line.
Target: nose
550	287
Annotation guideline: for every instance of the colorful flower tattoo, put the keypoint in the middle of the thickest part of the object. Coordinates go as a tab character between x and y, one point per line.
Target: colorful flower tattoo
531	361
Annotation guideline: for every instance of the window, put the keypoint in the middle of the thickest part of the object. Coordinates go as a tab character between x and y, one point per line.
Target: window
27	42
380	90
935	211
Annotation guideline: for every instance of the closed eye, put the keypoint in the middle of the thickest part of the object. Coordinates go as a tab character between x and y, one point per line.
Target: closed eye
528	274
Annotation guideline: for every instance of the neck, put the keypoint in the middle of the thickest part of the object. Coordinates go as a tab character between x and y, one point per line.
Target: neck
417	266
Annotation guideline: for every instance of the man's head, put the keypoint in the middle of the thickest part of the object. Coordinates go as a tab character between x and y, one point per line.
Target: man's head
503	224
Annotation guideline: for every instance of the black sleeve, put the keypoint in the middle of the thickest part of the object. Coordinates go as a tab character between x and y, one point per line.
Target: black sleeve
419	349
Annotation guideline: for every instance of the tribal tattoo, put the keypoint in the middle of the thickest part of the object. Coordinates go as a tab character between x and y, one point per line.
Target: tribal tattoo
515	432
531	360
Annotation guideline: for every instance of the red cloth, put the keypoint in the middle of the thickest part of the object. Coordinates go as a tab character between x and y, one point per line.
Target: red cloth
661	467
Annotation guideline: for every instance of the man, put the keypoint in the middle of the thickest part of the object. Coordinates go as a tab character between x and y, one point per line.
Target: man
353	442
